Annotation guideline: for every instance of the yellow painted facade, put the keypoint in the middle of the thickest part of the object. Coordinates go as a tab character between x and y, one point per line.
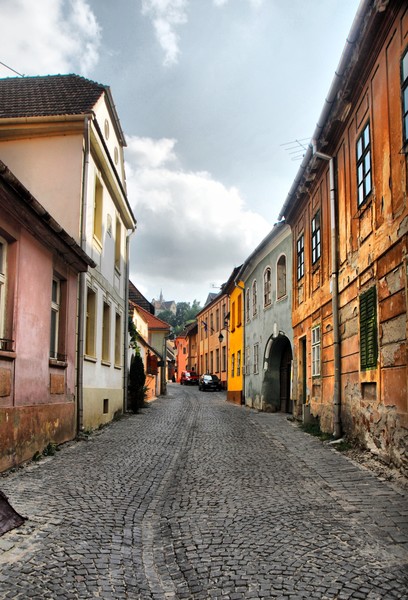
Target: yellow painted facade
236	345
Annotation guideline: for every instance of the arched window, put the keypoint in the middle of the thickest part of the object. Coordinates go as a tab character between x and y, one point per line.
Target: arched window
254	298
247	304
267	287
281	277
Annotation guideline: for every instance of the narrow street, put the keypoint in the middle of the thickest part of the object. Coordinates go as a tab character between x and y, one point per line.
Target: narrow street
199	499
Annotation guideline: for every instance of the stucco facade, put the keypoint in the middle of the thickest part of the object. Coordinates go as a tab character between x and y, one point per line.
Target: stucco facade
350	280
268	322
37	325
69	152
211	350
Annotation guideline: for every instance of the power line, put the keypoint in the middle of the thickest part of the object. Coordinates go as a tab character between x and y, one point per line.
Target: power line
14	71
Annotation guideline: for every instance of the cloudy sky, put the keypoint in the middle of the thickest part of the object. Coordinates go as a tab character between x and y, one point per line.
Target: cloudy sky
212	96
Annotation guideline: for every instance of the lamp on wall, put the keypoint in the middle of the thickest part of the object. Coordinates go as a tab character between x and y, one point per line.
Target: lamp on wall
221	337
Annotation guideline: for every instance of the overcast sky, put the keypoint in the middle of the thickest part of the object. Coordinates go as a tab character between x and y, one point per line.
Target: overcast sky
210	94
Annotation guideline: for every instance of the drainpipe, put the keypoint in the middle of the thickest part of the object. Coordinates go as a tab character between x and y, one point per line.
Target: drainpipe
82	285
126	326
335	295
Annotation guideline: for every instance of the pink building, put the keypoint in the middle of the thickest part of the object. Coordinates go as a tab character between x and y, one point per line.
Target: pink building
39	266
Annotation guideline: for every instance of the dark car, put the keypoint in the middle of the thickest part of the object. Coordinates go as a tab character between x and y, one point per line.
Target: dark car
209	382
188	378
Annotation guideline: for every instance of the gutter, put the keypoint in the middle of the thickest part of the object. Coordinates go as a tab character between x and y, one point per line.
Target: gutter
335	295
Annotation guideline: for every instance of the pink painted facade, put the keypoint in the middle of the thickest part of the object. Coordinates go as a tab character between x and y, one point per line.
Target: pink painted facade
37	376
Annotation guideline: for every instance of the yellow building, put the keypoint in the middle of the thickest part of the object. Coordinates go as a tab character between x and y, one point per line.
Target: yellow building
235	291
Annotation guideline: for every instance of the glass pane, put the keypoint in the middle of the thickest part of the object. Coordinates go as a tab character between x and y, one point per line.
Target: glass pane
360	173
405	99
367	162
360	194
368	184
359	147
406	127
53	333
366	136
1	257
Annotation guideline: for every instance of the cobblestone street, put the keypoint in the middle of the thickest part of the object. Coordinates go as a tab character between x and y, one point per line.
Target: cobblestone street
196	498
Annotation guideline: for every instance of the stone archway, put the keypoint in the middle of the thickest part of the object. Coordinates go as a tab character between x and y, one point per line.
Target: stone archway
276	385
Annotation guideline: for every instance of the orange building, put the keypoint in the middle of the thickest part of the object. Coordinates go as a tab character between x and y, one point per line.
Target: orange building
348	211
212	336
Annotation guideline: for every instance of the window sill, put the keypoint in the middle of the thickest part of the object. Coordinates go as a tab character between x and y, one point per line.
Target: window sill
59	364
282	298
119	367
106	363
6	355
97	243
90	358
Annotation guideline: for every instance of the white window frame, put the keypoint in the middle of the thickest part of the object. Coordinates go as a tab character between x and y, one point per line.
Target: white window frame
55	313
316	351
247	305
267	286
254	298
247	360
256	358
281	276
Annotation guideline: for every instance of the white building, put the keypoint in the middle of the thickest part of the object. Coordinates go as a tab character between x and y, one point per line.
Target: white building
62	138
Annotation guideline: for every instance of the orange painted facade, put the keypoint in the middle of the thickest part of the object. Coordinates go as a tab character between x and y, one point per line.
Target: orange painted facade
350	271
212	351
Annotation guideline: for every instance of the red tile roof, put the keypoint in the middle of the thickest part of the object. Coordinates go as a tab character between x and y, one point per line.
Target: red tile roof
48	95
152	321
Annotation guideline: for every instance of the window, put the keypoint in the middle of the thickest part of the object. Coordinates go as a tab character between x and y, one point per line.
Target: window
248	304
118	340
106	332
239	310
224	358
118	244
247	360
300	253
256	358
55	310
368	329
233	317
254	298
217	319
90	322
316	238
281	277
98	210
217	360
211	362
363	165
233	365
404	79
3	287
267	286
211	323
238	363
316	351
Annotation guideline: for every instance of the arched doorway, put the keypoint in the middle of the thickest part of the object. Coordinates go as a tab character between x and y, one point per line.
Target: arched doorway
277	380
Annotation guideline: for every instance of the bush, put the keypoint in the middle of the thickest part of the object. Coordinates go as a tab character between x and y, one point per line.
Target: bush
136	388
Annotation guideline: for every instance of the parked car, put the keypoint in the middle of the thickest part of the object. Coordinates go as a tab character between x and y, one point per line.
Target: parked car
188	378
209	382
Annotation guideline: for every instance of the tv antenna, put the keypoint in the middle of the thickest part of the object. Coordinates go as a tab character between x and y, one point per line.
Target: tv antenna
297	148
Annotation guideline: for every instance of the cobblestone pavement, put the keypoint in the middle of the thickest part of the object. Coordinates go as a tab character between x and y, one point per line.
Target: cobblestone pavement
199	499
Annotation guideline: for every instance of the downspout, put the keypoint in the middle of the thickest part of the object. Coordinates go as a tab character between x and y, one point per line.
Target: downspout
126	324
82	285
335	295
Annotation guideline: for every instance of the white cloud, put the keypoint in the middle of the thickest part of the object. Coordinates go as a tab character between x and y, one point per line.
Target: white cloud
166	15
53	36
191	228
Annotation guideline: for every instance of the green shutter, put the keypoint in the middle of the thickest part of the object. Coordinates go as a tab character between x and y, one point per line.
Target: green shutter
368	329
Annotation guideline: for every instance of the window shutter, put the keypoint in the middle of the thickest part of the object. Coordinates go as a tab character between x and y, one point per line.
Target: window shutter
368	329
